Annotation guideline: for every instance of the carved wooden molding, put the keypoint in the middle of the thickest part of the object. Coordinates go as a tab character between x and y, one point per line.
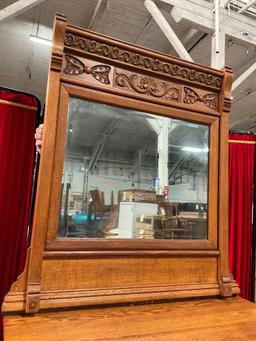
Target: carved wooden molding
227	84
138	59
226	286
69	298
146	85
75	67
140	83
209	99
33	297
57	48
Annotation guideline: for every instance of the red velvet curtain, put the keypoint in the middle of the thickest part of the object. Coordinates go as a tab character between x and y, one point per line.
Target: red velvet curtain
241	183
17	129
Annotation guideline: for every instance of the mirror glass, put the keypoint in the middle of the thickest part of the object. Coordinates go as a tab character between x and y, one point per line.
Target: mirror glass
131	174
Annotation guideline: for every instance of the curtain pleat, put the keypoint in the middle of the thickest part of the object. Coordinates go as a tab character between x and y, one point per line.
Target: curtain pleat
17	129
241	182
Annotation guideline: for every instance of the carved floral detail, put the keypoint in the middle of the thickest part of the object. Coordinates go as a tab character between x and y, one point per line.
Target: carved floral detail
146	85
191	97
75	67
137	59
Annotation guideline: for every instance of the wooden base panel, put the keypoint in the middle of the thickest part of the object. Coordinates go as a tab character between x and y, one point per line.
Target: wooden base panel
79	298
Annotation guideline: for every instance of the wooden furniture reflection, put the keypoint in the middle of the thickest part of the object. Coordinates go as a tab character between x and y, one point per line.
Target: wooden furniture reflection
99	210
159	198
169	209
198	226
98	207
137	195
174	227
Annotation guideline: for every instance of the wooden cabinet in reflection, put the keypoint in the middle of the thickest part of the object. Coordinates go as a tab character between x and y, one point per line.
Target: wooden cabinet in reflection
171	223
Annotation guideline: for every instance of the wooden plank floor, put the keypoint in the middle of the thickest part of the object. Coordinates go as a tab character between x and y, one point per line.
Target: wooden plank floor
198	320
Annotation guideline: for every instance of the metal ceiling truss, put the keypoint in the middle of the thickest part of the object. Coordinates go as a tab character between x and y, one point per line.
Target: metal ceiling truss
250	3
167	30
98	12
213	18
239	80
224	3
110	129
17	8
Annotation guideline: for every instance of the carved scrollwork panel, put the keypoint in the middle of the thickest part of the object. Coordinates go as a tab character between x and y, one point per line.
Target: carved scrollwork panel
146	85
138	59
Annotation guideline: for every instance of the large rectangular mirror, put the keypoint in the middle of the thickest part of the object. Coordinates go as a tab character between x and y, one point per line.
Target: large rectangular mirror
135	175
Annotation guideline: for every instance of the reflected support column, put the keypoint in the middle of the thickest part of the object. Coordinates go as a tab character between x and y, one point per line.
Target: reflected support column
162	148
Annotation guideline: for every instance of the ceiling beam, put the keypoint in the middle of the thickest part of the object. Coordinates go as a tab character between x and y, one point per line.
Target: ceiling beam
176	165
224	3
197	39
167	30
17	8
217	25
243	76
218	54
200	13
190	39
138	162
189	36
154	125
101	143
98	12
243	9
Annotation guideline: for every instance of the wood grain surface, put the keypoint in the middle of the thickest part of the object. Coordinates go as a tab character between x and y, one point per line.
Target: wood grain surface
196	320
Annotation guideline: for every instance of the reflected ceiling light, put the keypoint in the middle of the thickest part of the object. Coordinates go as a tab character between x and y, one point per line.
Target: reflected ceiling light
39	40
195	150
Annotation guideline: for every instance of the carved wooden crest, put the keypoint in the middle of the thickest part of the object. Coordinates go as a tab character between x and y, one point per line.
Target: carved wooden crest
112	52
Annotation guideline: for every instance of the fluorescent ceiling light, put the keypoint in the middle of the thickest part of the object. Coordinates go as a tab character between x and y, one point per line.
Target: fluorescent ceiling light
39	40
195	150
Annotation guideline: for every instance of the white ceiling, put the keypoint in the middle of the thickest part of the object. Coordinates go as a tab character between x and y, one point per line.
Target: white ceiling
24	64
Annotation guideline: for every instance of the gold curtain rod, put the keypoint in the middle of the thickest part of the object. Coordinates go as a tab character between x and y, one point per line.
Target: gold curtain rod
19	105
241	142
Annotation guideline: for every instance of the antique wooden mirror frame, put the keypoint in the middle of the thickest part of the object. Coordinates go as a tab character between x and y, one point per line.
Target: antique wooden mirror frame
69	272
